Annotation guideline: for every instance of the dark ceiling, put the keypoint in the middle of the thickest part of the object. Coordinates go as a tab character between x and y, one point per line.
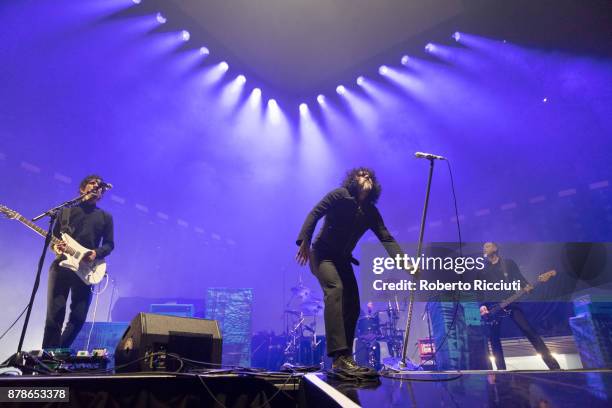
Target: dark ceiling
299	47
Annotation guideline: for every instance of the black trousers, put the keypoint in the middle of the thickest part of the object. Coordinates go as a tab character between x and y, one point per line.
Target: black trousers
61	282
341	298
517	315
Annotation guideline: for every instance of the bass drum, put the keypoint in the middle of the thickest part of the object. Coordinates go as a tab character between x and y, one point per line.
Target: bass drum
370	353
368	327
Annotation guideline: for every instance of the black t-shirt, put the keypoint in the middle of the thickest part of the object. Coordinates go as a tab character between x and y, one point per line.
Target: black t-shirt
506	270
90	226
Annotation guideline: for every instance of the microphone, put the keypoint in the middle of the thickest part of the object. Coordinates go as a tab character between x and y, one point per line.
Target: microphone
103	185
429	156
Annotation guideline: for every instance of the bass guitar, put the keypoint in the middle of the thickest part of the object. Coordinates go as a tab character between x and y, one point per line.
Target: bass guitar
500	310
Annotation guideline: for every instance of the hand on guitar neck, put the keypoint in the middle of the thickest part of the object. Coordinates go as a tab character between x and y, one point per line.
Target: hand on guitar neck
59	247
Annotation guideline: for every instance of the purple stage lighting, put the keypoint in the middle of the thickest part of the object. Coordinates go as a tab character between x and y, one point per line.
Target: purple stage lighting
136	1
405	59
321	99
223	66
303	108
457	36
185	36
429	47
204	51
241	79
255	97
545	100
160	18
272	104
340	89
383	70
360	80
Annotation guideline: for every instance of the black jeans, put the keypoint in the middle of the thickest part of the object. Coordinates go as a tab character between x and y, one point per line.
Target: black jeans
519	318
61	282
341	297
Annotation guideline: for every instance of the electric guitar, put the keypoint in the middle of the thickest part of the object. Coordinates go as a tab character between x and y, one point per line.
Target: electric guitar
90	273
500	309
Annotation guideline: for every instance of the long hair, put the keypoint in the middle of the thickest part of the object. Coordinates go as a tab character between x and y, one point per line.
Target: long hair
350	183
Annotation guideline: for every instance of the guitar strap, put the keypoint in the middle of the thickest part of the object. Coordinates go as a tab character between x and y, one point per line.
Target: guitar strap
504	268
65	222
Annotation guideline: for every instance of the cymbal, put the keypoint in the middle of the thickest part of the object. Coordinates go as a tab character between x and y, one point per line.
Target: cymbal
301	291
312	307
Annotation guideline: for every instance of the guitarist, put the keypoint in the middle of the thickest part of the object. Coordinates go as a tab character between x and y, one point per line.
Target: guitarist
498	268
91	227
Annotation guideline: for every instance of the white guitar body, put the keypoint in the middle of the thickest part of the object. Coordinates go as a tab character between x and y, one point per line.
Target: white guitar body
91	273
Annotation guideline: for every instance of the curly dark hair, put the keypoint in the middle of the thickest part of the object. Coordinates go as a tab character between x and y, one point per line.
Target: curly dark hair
88	179
350	183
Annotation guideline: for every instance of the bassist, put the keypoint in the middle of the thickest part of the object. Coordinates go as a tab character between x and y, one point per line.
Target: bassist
498	268
91	227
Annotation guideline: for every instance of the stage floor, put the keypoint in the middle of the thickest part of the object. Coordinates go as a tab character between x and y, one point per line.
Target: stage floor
540	389
216	389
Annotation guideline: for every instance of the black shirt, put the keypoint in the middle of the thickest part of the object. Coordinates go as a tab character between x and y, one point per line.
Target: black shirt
506	270
90	226
345	223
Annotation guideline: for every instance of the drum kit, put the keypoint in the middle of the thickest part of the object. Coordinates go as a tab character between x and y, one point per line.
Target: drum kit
303	347
378	335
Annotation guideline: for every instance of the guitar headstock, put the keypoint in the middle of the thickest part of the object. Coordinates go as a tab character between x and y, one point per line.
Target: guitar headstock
8	213
547	275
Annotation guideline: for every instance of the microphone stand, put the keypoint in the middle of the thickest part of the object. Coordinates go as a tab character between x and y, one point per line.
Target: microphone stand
404	364
52	214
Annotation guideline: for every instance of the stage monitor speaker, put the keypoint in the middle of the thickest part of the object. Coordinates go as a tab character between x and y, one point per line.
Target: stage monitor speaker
149	339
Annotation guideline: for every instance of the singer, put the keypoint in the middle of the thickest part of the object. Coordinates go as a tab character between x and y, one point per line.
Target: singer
91	227
349	212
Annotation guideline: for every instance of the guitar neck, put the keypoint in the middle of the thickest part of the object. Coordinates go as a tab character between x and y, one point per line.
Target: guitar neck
517	295
32	226
43	233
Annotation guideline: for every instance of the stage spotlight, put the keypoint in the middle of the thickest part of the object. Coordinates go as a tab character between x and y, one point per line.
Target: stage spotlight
272	104
360	80
256	92
204	51
383	69
457	36
223	66
340	89
241	79
303	108
185	36
545	100
160	18
405	60
321	99
429	47
136	1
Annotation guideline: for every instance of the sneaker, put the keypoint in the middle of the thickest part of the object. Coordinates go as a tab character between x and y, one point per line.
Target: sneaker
348	364
345	363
